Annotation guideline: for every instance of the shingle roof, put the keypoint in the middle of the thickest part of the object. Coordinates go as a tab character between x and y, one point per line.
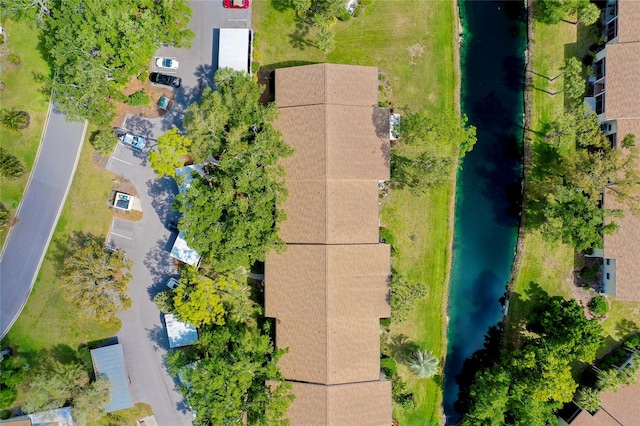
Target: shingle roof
335	211
622	96
336	142
628	21
327	84
327	300
352	404
109	362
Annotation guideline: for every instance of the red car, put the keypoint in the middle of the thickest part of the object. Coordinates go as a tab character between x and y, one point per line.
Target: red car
236	4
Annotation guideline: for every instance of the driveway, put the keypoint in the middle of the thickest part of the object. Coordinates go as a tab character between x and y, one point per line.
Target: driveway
38	213
143	336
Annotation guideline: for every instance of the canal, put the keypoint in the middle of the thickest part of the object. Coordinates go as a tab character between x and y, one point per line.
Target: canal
489	183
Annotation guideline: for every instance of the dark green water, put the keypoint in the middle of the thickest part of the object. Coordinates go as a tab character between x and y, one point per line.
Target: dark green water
489	184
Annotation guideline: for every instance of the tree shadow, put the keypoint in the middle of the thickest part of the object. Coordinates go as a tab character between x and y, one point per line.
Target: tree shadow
160	265
162	191
401	348
281	5
298	38
626	328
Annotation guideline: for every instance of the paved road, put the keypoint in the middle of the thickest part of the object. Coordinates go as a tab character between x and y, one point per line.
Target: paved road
143	335
41	206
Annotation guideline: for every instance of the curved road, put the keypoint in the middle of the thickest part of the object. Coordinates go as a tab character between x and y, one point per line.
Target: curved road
38	212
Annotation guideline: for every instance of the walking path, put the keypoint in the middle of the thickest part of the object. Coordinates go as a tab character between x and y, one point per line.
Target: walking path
38	213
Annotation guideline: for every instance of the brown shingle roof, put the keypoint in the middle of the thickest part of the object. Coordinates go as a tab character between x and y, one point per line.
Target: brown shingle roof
335	211
628	21
622	96
327	300
336	142
327	84
352	404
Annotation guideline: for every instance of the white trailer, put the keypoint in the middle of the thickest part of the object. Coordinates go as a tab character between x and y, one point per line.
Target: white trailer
234	49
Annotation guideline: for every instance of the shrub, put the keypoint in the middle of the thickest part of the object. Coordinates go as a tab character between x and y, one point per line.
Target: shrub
1	38
343	14
358	11
385	322
14	59
138	98
104	142
14	119
256	55
632	342
588	399
255	67
389	366
10	165
599	305
614	358
4	216
144	75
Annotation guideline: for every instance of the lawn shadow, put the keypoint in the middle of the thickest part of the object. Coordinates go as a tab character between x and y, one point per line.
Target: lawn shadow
626	328
281	5
298	39
401	348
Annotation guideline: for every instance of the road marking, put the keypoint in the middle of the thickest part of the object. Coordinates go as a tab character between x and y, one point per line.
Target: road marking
125	162
120	235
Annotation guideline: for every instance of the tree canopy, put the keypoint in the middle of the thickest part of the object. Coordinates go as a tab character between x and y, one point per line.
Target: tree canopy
94	279
526	385
97	46
199	300
232	372
172	147
229	213
554	11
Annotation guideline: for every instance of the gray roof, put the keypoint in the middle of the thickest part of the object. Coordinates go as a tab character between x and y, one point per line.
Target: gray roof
109	362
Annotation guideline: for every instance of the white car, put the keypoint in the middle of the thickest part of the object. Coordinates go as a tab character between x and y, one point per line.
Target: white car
169	63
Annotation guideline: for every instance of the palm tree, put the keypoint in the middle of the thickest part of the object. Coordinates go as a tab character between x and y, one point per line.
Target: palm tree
588	399
423	363
608	379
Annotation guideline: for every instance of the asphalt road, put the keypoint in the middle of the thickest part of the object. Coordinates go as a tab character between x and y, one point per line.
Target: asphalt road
148	243
41	205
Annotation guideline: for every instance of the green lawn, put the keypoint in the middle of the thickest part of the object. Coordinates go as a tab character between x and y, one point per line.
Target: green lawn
22	92
128	417
550	264
413	47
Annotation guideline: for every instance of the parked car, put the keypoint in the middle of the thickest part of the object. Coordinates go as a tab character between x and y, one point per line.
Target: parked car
128	138
169	63
167	80
236	4
172	283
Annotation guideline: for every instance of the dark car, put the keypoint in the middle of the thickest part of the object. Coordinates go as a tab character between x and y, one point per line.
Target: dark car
236	4
167	80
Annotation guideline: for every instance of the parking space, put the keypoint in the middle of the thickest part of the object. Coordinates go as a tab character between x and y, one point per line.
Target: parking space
121	235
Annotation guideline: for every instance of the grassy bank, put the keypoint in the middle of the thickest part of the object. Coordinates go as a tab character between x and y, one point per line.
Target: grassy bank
551	264
413	48
47	322
22	91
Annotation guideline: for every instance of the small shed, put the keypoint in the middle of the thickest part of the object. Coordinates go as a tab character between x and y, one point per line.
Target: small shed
179	333
109	362
57	417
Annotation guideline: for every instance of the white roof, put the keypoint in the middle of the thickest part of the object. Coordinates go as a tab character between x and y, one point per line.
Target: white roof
183	252
180	333
233	49
59	416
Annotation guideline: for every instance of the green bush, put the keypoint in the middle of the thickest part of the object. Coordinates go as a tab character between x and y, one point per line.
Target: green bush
632	342
14	59
255	67
358	11
10	165
143	76
4	216
389	366
138	98
385	322
103	142
343	14
14	119
599	305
